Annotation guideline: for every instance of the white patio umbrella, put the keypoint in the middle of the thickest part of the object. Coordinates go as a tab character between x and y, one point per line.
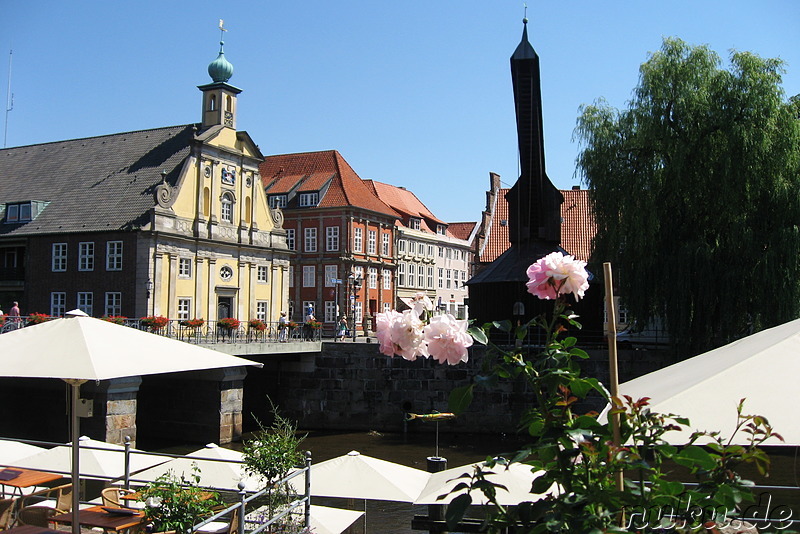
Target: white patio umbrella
356	476
216	474
78	348
327	520
517	479
10	451
98	459
762	368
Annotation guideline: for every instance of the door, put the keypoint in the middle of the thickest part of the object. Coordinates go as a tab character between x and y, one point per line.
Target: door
224	307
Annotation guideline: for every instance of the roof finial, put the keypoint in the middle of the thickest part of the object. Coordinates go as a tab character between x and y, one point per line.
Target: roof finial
524	18
220	69
222	31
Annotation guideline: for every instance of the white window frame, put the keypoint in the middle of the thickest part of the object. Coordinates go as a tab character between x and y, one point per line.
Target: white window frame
414	223
421	277
372	276
226	207
331	238
412	274
359	312
358	240
59	261
330	311
308	200
310	239
372	242
262	307
309	275
262	274
58	303
86	256
401	246
290	239
441	277
430	277
113	255
185	309
86	302
387	279
401	274
331	273
277	201
385	245
113	304
184	267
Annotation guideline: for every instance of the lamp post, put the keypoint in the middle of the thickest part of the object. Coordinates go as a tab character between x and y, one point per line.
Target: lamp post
355	285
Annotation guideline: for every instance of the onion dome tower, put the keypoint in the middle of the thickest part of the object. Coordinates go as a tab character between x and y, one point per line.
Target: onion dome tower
219	97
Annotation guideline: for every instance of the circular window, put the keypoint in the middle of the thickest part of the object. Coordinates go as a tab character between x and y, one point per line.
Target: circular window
226	273
207	172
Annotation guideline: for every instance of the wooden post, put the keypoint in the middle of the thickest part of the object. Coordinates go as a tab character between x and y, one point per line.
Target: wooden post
612	358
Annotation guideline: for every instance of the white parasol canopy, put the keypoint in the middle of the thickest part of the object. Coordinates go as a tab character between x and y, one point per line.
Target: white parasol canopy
98	459
223	475
78	348
761	368
11	451
356	476
327	520
518	479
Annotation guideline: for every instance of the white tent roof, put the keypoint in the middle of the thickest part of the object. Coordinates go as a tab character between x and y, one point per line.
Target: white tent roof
327	520
762	368
108	462
517	479
10	451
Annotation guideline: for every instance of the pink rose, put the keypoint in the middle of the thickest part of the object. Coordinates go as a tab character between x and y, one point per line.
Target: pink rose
557	274
401	334
447	339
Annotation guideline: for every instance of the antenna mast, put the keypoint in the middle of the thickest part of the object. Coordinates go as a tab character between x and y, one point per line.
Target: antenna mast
9	100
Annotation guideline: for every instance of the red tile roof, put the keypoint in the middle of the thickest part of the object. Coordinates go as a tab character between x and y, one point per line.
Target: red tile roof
461	230
577	229
311	171
405	203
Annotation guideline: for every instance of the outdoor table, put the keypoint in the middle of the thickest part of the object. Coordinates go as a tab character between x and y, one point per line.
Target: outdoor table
31	529
96	516
25	479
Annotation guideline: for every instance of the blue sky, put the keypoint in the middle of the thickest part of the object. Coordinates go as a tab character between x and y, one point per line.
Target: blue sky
415	93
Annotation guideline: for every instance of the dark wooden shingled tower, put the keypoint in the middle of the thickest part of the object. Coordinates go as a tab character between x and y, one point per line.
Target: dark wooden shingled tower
533	202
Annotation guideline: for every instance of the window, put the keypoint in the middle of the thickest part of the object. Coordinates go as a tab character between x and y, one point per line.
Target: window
421	276
440	229
306	305
330	311
85	302
387	306
58	304
385	244
401	274
277	201
184	267
357	240
387	279
371	242
114	256
290	242
113	304
20	212
372	277
184	309
59	257
430	251
332	238
414	223
261	309
441	278
226	211
309	199
412	273
447	278
441	252
412	247
86	257
359	311
310	239
430	278
291	276
330	275
401	246
262	274
308	275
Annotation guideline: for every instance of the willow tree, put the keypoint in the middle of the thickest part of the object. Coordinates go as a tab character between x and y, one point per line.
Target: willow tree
696	191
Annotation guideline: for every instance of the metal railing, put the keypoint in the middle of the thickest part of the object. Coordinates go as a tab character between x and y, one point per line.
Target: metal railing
208	332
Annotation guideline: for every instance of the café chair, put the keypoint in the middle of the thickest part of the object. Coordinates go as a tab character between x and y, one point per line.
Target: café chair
38	516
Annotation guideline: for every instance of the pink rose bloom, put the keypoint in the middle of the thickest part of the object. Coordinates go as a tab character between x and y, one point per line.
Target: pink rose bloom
557	274
448	339
401	334
422	303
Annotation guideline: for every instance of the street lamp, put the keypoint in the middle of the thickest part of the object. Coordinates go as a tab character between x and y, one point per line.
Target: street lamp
355	285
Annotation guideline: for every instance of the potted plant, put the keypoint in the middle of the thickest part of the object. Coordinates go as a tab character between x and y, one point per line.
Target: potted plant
154	322
193	323
174	503
257	324
116	319
37	318
228	323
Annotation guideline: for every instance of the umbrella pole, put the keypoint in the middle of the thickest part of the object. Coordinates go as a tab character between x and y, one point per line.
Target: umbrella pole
612	361
76	449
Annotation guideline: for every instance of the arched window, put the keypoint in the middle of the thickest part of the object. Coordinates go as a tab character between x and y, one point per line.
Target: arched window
226	213
228	103
212	103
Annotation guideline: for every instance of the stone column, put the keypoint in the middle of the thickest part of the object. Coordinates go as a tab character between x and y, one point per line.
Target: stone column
198	288
212	304
173	284
156	308
114	408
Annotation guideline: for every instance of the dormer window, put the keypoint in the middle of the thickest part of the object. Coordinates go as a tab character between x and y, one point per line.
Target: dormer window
309	199
19	212
414	223
277	201
440	229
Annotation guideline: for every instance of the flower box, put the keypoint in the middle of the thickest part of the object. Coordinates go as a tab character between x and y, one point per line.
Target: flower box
229	323
154	322
193	323
257	324
314	325
116	319
37	318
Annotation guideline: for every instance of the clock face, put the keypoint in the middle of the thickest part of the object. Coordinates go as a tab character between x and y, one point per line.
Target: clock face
228	118
226	273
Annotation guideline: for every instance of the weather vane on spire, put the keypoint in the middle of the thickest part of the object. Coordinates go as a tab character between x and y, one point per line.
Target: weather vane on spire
524	19
222	29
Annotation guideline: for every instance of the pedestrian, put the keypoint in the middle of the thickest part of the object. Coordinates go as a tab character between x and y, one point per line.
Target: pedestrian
309	319
341	331
14	315
283	328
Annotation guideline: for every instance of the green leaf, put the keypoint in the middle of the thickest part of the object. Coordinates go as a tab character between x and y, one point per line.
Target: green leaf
695	457
478	334
456	510
460	399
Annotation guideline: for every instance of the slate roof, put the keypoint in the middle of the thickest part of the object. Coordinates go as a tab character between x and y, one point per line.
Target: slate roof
325	171
92	184
405	203
577	229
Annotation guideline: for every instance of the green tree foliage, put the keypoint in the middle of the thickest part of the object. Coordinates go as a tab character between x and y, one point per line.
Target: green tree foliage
695	191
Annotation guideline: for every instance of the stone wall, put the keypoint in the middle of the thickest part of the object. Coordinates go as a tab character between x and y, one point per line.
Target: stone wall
350	386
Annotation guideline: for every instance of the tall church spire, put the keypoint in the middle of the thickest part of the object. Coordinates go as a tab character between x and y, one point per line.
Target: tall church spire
534	203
